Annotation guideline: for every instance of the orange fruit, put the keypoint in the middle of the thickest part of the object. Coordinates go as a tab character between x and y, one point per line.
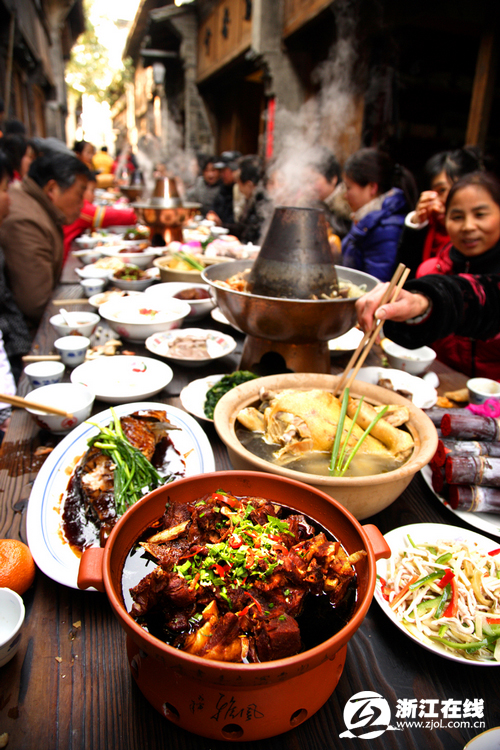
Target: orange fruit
17	568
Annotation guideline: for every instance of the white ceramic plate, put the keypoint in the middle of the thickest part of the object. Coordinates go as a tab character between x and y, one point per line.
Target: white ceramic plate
348	342
397	539
52	554
219	317
121	379
488	522
193	395
424	395
93	272
218	345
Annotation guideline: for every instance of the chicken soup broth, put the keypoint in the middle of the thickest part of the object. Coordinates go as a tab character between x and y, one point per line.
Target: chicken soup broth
316	462
239	579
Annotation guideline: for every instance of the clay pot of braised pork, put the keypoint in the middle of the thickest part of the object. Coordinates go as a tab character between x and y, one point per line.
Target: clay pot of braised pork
226	700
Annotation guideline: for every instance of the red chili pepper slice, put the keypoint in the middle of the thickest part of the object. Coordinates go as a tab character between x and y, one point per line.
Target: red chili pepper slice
447	578
256	602
244	611
235	541
452	608
493	620
221	570
494	551
250	559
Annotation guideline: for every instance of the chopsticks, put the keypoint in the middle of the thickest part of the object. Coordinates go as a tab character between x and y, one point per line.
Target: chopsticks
41	358
75	301
396	284
24	403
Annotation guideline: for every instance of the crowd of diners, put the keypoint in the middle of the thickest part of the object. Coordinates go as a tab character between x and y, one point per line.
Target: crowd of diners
448	233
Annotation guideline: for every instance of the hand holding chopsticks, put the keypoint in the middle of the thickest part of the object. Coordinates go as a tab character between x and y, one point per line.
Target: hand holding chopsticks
24	403
391	294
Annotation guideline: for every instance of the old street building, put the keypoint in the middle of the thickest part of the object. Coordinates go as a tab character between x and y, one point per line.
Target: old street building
35	40
221	74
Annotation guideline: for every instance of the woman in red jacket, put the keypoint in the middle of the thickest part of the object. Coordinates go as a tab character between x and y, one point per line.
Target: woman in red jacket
96	217
473	224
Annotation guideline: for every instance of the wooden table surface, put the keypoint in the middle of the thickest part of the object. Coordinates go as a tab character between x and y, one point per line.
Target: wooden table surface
70	687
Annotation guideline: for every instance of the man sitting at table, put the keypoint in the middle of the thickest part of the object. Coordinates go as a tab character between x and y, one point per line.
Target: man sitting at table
50	195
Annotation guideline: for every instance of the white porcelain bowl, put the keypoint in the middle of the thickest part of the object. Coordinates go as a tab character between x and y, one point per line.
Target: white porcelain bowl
481	389
82	323
93	286
72	349
88	256
139	285
11	622
75	399
414	361
199	307
93	272
137	317
44	373
86	242
142	259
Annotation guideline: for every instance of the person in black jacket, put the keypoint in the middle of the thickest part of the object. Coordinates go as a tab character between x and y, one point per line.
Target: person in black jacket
223	206
257	203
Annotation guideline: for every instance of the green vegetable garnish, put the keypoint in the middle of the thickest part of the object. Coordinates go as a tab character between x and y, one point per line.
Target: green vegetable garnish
190	259
134	475
225	384
337	465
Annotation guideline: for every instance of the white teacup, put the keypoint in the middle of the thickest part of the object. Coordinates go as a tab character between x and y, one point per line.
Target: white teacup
11	622
72	349
481	389
93	286
44	373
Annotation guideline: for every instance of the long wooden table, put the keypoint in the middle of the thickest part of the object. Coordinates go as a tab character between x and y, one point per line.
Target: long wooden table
69	687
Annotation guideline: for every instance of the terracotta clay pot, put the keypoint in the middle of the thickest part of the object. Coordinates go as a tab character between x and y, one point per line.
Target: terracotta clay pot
226	701
362	496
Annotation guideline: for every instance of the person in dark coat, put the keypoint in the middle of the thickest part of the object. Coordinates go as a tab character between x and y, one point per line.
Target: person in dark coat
380	195
257	203
223	206
206	186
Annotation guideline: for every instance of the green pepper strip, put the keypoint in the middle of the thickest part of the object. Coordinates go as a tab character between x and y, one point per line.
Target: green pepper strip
428	604
461	646
444	558
426	579
442	602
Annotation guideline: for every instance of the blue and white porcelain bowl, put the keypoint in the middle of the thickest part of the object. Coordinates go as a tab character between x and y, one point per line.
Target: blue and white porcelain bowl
72	349
11	622
44	373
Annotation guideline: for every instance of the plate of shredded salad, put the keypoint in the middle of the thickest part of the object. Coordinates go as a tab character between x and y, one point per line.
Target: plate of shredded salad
441	587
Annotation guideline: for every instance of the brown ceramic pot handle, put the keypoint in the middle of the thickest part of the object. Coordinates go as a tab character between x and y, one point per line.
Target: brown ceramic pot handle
380	547
90	570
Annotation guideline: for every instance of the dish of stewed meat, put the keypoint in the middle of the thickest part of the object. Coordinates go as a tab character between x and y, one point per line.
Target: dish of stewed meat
239	579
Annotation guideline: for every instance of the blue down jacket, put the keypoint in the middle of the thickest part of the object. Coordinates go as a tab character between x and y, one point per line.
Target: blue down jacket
372	243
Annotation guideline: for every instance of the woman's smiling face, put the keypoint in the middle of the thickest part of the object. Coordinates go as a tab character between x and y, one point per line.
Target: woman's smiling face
473	221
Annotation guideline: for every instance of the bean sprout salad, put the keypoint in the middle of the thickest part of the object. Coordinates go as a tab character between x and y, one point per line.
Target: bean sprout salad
447	593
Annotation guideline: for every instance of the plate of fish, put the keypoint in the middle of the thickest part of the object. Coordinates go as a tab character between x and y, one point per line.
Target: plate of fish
441	588
74	501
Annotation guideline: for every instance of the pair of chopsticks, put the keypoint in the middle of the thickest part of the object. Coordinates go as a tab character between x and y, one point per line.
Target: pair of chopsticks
396	284
24	403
